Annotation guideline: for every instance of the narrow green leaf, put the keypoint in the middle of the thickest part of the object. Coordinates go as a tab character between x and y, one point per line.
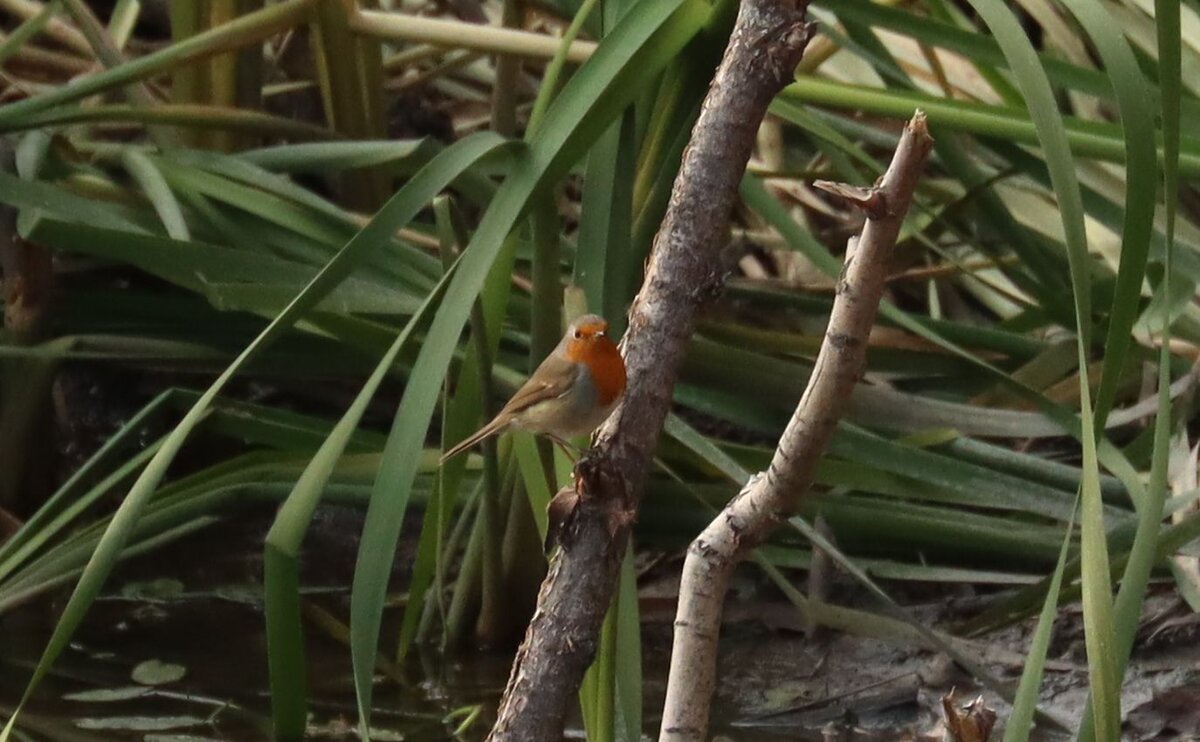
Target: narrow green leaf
1141	180
184	116
605	262
628	656
534	476
347	64
1144	551
151	180
1101	141
706	450
281	557
399	155
596	694
1097	587
611	694
44	198
1017	728
461	416
549	85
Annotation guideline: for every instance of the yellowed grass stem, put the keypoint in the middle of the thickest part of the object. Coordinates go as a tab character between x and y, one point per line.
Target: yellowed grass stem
439	32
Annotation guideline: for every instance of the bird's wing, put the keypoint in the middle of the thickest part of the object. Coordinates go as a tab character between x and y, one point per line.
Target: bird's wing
554	378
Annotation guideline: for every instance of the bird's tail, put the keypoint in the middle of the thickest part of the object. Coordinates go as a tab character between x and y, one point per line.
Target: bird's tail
492	428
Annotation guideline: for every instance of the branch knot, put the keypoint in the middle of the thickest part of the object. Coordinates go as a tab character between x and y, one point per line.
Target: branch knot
872	201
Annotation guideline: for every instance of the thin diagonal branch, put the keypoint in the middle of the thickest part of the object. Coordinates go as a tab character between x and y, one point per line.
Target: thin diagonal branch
771	497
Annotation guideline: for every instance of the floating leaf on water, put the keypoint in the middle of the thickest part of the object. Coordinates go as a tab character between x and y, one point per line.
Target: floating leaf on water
242	594
141	723
157	672
341	729
784	695
105	695
163	588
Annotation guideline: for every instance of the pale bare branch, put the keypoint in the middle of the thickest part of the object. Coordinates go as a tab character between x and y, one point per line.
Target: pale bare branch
772	496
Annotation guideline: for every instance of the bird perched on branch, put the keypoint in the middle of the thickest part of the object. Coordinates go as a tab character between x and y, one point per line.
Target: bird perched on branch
571	392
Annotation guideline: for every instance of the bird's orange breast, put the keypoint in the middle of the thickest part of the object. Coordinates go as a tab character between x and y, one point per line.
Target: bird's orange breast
603	359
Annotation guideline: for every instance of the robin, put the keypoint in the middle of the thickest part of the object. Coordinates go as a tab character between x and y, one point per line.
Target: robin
571	392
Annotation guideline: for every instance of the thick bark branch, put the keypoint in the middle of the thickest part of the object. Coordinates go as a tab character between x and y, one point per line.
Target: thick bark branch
773	496
684	271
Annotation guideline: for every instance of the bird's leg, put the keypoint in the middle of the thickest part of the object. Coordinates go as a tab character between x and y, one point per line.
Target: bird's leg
570	450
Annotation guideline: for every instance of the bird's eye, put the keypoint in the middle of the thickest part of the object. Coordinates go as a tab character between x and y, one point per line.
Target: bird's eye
578	334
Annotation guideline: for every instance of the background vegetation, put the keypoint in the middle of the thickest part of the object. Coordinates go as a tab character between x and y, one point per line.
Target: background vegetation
314	199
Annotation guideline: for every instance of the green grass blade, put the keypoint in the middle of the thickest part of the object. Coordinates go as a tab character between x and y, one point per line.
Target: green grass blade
628	671
596	693
1144	551
347	64
1112	458
35	548
462	415
46	199
554	70
106	52
1141	180
690	438
329	157
1100	141
281	557
986	487
756	196
1169	73
546	295
611	694
1025	700
1097	586
978	47
606	266
185	116
605	262
142	169
534	479
306	218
